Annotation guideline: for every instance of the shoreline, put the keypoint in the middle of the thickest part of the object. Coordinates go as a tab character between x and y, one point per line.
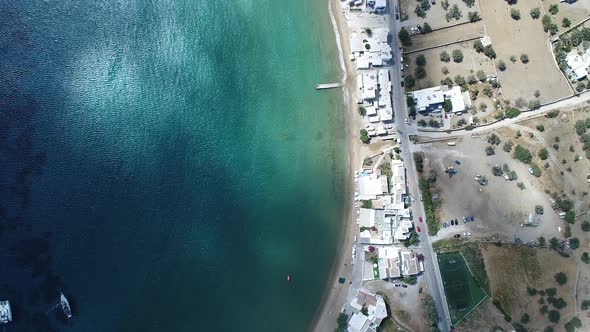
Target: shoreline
335	294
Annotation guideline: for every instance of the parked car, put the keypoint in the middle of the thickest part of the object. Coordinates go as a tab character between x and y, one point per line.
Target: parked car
456	222
397	285
452	222
405	286
420	219
457	162
420	290
445	224
456	236
418	229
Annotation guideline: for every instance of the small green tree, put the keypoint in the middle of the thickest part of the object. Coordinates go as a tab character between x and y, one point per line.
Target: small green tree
342	322
523	154
404	37
524	58
561	278
473	16
553	9
585	305
459	80
543	154
489	52
409	81
574	243
525	318
551	291
478	46
554	316
421	60
535	13
515	13
365	136
457	55
566	22
586	226
420	72
445	57
426	28
481	75
501	65
362	111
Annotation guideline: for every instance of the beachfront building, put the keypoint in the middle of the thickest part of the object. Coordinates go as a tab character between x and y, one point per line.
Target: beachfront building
375	309
375	227
577	65
432	100
369	88
389	262
371	185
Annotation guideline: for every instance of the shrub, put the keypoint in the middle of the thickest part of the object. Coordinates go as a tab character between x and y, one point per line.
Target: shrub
457	55
570	217
543	154
586	226
540	127
566	22
535	13
404	37
426	28
421	60
459	80
539	209
559	303
574	243
494	139
453	12
553	9
580	87
531	291
507	146
489	52
544	309
512	112
552	114
534	104
524	58
501	65
409	81
447	81
365	136
561	278
542	243
420	72
522	154
478	46
342	322
362	111
515	13
585	304
554	316
445	57
536	170
551	291
473	16
490	151
525	318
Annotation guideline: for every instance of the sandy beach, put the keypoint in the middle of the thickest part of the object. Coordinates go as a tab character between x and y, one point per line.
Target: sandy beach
335	294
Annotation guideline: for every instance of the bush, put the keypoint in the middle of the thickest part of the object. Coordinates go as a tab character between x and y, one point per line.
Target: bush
553	9
445	57
525	318
473	16
561	278
490	151
524	58
540	127
543	154
573	324
522	154
559	303
531	291
512	112
554	316
404	37
580	127
362	111
566	22
507	146
420	72
536	170
459	80
539	209
457	55
570	217
421	60
586	226
544	309
447	81
501	65
552	114
365	136
580	87
453	12
478	46
574	243
585	304
409	81
535	13
426	28
515	13
489	52
447	105
551	291
535	104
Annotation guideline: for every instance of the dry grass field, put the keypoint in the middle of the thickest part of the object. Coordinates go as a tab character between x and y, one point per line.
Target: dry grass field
485	318
512	270
514	37
450	35
576	11
436	15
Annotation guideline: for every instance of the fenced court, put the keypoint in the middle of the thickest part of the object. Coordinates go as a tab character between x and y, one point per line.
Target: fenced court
462	292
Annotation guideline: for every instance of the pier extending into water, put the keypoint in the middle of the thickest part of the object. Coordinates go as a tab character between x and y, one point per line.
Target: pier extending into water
325	86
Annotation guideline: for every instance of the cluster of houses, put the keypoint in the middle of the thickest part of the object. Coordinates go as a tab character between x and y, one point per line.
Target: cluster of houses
370	310
386	224
578	64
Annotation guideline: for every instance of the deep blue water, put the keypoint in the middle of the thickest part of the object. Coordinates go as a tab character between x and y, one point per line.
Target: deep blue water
167	163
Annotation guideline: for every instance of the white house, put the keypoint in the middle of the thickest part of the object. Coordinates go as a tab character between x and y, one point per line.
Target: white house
433	99
578	64
376	312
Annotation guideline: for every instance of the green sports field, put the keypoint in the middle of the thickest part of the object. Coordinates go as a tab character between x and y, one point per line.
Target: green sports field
461	290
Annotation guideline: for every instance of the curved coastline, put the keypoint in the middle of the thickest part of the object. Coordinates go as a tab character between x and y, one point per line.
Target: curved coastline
335	294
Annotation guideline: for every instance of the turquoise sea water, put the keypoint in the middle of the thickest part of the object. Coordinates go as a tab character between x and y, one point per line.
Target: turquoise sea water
167	163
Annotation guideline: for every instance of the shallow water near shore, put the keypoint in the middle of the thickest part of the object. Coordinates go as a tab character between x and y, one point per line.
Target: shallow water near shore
166	164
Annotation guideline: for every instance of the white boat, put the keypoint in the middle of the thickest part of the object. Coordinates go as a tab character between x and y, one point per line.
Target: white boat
65	306
5	312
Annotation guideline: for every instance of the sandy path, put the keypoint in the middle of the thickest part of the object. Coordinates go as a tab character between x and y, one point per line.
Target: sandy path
336	294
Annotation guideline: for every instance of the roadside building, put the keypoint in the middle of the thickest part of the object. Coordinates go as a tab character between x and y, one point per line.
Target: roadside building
389	262
375	309
577	64
369	86
375	227
410	265
432	100
5	312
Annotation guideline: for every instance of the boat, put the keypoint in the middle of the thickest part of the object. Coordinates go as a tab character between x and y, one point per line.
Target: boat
289	277
65	306
5	312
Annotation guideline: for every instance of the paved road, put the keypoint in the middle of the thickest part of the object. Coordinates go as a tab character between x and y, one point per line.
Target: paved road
431	269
